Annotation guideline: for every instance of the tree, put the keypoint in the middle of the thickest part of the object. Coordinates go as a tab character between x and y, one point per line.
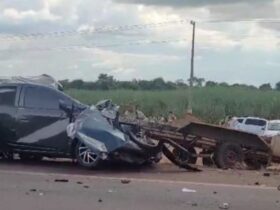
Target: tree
105	82
158	84
78	84
277	86
180	83
210	84
265	87
224	84
198	82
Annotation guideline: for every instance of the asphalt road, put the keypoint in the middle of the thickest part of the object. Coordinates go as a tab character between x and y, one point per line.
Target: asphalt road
60	186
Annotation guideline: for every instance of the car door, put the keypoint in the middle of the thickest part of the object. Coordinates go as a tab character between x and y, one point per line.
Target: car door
41	125
8	102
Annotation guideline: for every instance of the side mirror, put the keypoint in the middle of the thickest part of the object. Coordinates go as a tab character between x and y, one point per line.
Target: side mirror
65	107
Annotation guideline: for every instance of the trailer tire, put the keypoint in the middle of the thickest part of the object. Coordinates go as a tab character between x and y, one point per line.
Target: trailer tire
228	155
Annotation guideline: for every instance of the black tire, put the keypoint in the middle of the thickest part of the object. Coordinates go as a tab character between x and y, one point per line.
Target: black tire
30	157
185	157
228	155
85	157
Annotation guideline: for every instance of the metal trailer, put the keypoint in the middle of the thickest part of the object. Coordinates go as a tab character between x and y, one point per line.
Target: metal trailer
220	146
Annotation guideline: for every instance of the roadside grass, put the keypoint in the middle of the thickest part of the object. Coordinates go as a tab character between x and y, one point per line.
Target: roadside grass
210	104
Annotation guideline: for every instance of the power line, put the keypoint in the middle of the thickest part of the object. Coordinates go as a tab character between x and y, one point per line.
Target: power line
79	47
104	29
122	28
257	20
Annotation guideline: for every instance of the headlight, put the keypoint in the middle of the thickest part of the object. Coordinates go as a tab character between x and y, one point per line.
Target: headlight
93	142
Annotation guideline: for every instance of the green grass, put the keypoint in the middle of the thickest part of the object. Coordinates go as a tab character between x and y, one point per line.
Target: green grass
210	104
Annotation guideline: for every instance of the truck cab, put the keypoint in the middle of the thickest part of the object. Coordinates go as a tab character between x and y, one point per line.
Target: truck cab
253	125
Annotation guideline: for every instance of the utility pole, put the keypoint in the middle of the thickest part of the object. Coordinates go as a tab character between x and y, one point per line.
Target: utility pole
192	71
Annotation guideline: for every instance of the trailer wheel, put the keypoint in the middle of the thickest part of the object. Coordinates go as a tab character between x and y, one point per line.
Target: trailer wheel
185	157
228	155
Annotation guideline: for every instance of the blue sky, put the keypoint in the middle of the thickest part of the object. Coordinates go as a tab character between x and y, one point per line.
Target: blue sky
234	52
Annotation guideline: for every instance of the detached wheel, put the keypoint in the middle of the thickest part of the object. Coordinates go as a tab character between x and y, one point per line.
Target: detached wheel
184	157
228	155
85	157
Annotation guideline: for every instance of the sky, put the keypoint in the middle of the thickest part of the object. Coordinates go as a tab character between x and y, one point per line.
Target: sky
236	41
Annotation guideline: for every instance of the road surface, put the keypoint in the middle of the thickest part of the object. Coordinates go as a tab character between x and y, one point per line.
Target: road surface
60	186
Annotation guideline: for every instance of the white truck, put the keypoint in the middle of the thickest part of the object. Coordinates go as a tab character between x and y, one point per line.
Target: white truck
255	125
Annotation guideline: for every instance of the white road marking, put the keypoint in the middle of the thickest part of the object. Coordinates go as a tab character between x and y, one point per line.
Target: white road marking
162	181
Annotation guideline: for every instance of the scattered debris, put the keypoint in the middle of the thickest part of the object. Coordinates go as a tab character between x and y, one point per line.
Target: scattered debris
100	200
278	188
257	183
79	182
61	180
86	186
214	192
275	168
194	204
125	181
41	193
266	174
33	190
224	206
110	191
188	190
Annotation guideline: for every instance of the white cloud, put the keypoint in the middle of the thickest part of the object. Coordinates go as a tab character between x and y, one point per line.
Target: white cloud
15	15
169	60
122	70
273	63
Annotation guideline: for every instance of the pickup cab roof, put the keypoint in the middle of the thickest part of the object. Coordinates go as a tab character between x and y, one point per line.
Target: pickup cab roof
44	80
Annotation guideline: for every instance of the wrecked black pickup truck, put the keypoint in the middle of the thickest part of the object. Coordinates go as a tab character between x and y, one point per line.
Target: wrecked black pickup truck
38	120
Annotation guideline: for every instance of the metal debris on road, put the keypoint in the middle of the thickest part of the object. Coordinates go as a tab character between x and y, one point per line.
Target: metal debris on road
61	180
33	190
125	181
224	206
194	204
188	190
